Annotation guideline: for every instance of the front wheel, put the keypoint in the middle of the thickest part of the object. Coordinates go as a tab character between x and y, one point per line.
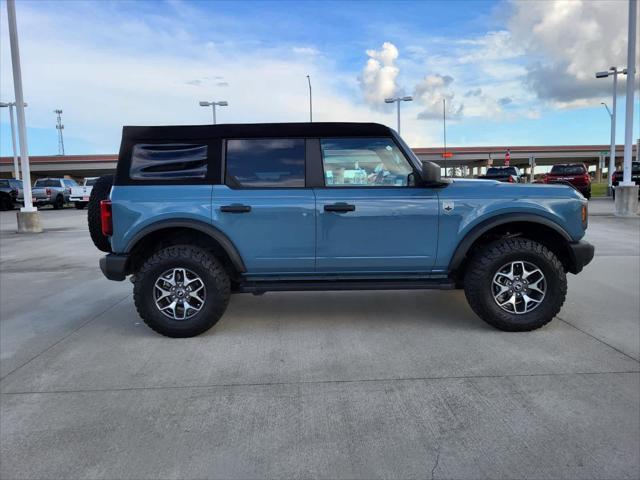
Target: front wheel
515	284
181	291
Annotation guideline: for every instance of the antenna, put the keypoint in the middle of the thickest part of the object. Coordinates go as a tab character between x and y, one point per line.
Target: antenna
59	127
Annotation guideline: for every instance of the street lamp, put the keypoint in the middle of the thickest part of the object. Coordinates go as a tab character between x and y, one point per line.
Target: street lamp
613	71
213	105
16	166
398	100
310	100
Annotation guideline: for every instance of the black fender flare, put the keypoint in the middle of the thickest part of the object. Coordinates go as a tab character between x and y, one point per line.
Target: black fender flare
224	241
500	219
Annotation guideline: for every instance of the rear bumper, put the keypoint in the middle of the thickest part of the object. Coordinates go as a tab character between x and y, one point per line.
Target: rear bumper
114	266
581	254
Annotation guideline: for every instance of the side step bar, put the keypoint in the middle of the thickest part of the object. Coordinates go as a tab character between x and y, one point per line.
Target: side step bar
258	288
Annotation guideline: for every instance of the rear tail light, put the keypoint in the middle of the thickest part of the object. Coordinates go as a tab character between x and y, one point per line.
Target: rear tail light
106	218
510	179
47	191
545	179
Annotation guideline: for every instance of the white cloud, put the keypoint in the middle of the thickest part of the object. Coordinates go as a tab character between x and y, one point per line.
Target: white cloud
379	75
431	92
570	40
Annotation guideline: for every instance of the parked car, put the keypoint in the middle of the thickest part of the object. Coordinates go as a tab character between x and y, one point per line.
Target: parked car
502	174
635	177
9	193
52	191
196	213
80	194
575	174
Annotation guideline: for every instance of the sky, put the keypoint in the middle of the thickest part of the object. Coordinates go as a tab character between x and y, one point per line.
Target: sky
512	73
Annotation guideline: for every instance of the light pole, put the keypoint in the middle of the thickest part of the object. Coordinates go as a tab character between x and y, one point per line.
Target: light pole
310	100
628	121
612	151
613	71
28	218
398	100
213	105
16	166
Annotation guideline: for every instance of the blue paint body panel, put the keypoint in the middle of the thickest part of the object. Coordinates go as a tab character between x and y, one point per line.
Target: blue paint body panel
392	229
278	235
393	232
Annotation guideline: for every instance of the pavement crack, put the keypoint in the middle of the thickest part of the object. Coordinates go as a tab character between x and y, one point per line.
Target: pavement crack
435	465
84	324
311	382
598	339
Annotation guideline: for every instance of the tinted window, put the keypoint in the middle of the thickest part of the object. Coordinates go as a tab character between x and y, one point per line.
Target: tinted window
4	183
15	183
90	181
372	162
567	170
265	163
47	182
168	162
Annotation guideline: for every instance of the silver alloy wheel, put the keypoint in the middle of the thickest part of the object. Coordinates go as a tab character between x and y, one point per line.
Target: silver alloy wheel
519	287
179	293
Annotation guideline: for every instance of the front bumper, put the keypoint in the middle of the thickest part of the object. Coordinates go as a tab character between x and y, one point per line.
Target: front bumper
114	266
581	254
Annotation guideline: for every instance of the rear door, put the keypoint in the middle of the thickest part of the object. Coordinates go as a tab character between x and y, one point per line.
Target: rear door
264	206
370	218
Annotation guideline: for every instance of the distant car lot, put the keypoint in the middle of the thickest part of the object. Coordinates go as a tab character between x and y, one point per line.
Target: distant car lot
395	384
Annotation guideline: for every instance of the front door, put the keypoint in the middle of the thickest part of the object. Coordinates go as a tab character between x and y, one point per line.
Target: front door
264	208
370	220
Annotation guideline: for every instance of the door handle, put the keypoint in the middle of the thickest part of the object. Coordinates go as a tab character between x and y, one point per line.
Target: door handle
339	207
235	208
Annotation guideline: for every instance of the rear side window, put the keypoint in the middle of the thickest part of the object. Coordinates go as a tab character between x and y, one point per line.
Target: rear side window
276	162
70	183
175	161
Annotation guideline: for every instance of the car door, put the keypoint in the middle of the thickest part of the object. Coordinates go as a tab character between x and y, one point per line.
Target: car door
369	217
264	206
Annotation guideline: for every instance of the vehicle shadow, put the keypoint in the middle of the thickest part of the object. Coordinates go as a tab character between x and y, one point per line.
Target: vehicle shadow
362	309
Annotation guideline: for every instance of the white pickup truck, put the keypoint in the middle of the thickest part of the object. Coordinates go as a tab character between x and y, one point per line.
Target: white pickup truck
80	195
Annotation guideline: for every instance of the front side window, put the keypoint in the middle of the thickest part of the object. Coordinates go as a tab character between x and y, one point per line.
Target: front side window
364	162
168	162
275	162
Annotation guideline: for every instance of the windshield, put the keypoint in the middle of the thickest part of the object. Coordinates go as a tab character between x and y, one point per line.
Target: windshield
567	170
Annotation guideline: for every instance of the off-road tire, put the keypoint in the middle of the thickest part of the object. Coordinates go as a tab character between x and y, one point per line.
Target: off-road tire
202	263
100	191
80	205
486	262
58	203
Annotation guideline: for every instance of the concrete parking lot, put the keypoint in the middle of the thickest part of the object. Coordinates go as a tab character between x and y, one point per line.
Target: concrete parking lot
407	384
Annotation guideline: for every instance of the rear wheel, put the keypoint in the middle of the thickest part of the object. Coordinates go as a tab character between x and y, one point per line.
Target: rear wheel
515	284
181	291
58	203
100	191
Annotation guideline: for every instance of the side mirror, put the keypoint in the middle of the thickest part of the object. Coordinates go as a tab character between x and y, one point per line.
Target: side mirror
431	173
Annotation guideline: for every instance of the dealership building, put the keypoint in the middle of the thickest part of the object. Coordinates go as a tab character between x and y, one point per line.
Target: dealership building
465	161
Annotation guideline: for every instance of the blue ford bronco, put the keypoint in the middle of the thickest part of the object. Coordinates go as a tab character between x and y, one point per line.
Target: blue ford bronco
196	213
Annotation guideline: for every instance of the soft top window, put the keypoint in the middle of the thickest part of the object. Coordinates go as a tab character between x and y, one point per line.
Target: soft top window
174	161
277	162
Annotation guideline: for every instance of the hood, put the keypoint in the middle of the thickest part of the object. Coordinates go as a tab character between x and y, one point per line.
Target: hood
493	188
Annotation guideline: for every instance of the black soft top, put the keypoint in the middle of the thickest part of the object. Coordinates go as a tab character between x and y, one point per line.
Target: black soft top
257	130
